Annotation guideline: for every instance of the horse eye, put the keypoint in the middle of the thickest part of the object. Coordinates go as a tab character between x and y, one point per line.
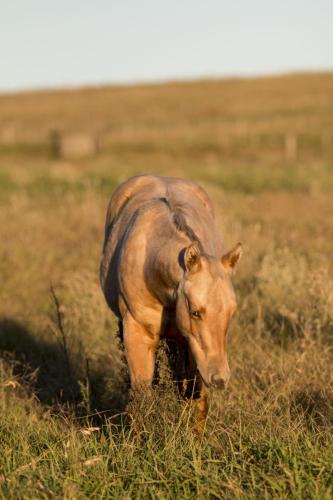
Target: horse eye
195	314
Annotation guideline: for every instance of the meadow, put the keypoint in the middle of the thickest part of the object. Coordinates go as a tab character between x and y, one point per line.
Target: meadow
65	430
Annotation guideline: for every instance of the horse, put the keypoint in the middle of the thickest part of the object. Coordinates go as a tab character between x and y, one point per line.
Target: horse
165	275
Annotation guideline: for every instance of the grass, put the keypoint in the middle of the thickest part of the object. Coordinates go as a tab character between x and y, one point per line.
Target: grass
65	414
235	177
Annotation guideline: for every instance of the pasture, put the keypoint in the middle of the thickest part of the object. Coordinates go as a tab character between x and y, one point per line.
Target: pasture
263	150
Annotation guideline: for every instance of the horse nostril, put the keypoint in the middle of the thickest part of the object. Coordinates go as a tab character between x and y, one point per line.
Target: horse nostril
217	382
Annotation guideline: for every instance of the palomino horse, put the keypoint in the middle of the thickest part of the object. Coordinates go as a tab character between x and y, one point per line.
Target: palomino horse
165	275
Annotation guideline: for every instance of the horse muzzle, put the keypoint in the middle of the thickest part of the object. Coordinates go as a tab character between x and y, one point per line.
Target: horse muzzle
218	380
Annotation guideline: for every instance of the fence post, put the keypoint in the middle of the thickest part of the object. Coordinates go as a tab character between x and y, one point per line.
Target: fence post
326	142
291	147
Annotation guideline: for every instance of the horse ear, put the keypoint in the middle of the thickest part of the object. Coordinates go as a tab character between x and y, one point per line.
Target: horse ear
230	259
192	259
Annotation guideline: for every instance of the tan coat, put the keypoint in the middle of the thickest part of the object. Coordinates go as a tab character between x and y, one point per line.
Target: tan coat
163	274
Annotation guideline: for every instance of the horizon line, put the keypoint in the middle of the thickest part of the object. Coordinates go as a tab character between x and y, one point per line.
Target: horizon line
160	81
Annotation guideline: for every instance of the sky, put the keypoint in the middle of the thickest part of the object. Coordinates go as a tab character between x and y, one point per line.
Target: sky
69	42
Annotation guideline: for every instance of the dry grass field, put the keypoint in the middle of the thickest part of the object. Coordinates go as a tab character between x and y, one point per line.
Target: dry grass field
64	428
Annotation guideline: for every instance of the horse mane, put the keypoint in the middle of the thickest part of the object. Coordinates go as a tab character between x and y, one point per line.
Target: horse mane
179	220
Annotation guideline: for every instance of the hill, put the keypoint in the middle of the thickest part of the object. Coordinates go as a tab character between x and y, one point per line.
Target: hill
243	117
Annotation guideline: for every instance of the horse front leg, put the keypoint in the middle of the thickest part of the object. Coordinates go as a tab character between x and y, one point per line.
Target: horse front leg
140	351
197	391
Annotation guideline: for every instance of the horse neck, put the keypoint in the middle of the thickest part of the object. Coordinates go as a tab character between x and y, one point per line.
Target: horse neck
164	269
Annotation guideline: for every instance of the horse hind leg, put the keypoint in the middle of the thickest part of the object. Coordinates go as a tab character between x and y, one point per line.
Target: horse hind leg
201	410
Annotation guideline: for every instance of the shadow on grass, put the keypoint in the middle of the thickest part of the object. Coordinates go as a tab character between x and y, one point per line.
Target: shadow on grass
60	380
315	405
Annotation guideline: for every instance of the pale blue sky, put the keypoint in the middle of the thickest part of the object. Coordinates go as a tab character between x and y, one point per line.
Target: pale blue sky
68	42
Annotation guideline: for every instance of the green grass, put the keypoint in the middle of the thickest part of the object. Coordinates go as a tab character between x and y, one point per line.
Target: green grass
251	178
244	178
43	185
238	457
